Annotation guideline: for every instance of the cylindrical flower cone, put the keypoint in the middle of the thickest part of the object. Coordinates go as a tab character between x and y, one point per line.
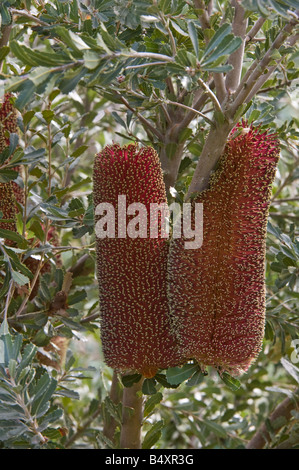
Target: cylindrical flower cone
8	120
132	272
217	292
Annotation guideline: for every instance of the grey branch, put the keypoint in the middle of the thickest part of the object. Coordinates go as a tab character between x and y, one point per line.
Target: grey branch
236	59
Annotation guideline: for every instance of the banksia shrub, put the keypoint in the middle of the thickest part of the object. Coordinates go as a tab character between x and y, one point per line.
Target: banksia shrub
217	292
132	272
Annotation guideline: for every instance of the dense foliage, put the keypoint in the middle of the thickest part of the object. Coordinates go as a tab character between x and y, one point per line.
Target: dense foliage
83	74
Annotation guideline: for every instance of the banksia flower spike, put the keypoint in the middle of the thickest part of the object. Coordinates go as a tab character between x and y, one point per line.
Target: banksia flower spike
132	272
217	292
10	192
8	207
8	120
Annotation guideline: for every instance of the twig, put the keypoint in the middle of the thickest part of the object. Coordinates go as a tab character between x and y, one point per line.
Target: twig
260	82
155	131
147	64
257	70
255	29
9	295
175	103
25	13
211	94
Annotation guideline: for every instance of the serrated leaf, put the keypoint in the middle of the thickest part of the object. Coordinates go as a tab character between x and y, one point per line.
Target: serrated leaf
148	387
215	428
19	278
153	435
150	404
13	142
291	369
42	392
77	41
129	380
26	91
177	375
233	383
7	175
10	345
112	409
91	59
79	151
39	75
195	379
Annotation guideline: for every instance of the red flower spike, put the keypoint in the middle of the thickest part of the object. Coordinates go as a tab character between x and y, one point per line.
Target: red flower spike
8	206
132	272
8	121
217	292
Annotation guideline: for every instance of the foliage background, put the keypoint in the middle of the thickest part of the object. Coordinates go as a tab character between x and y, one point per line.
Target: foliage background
85	74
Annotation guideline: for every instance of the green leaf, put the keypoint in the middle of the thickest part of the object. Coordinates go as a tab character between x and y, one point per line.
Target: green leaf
91	59
79	151
10	347
153	435
177	375
193	36
218	37
215	428
39	75
7	175
10	235
13	142
19	278
78	41
233	383
196	379
78	296
129	380
27	357
228	45
26	91
148	387
112	409
150	404
71	79
291	369
41	393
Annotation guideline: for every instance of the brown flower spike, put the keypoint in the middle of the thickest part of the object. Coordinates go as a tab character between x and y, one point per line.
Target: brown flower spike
132	272
217	292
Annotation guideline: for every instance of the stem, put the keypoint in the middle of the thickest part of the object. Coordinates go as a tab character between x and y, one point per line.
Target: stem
175	103
211	152
283	410
25	13
255	29
130	437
